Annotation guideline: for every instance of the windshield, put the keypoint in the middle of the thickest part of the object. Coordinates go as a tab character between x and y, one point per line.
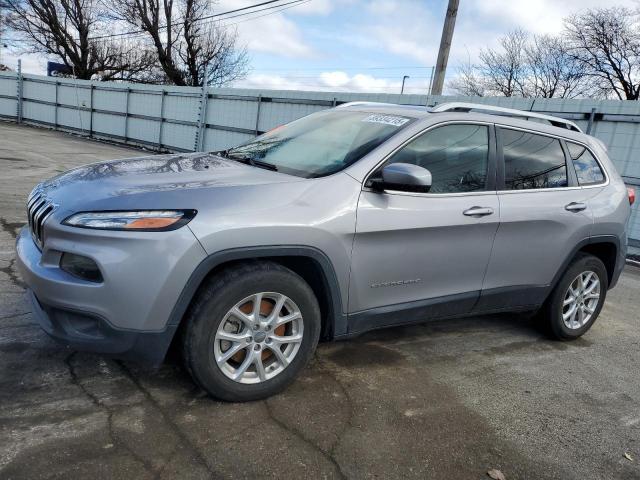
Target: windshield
319	144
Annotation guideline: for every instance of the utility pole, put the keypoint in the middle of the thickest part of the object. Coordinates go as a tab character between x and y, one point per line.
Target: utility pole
403	79
445	46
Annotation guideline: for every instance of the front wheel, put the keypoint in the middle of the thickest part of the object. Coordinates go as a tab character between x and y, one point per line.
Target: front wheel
577	299
250	331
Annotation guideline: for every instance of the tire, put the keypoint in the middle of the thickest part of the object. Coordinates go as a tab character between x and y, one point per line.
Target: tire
218	312
557	317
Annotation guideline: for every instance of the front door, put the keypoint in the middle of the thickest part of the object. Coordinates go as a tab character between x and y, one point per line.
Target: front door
417	256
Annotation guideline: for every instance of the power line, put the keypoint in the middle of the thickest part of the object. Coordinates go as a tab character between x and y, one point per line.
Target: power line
208	17
292	4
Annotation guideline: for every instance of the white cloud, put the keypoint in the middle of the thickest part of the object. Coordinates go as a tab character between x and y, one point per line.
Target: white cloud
314	7
382	7
539	16
273	33
405	29
412	28
31	63
333	81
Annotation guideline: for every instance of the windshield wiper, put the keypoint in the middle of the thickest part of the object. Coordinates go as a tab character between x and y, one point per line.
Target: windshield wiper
265	165
248	161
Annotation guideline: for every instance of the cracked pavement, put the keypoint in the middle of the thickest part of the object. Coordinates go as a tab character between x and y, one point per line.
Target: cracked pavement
448	399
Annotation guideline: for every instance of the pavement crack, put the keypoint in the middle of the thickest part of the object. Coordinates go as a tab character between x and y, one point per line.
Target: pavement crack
12	228
14	315
351	410
13	277
186	441
110	412
301	436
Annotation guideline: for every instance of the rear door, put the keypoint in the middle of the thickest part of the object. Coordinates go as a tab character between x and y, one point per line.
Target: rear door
544	214
421	255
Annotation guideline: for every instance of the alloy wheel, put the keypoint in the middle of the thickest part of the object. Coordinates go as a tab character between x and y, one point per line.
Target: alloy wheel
581	300
258	337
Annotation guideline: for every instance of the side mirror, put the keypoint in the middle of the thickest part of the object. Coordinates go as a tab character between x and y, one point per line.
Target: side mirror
404	177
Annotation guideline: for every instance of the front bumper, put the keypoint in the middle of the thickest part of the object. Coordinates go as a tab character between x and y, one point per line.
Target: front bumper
88	333
128	315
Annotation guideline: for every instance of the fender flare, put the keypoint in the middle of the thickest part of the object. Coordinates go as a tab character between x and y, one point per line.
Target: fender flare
612	239
337	318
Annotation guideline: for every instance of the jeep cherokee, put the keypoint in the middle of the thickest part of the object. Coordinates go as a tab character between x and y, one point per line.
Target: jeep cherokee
354	218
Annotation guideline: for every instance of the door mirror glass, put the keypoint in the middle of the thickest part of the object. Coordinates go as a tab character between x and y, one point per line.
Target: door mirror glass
404	177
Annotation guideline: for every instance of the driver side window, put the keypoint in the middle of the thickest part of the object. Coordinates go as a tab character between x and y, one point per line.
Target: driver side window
457	156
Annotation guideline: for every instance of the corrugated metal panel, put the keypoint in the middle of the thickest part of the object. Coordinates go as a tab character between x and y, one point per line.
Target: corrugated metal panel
110	100
38	112
73	118
179	137
71	95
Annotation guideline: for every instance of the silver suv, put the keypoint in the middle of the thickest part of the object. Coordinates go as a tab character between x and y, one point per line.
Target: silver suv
355	218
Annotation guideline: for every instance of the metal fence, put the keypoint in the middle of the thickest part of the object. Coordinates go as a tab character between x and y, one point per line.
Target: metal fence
167	118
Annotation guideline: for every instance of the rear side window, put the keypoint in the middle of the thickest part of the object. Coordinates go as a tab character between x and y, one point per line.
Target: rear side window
456	155
587	168
532	161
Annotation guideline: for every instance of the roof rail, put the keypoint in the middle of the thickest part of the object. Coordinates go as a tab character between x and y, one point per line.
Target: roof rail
356	103
509	112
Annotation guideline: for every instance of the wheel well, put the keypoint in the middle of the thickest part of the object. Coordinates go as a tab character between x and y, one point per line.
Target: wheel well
312	273
607	252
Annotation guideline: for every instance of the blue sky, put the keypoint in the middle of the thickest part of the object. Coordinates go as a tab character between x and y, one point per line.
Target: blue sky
368	45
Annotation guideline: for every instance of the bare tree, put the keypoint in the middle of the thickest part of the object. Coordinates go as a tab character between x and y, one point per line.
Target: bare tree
468	81
64	28
189	48
505	70
2	30
606	41
525	66
553	71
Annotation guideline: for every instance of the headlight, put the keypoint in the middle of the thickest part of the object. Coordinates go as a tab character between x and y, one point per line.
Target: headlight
140	220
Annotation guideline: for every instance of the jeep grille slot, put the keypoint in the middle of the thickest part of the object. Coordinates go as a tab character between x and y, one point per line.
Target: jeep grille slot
38	210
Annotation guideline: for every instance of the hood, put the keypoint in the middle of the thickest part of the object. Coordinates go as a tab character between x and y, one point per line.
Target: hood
138	182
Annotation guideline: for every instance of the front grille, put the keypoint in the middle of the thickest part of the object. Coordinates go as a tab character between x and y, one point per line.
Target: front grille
38	210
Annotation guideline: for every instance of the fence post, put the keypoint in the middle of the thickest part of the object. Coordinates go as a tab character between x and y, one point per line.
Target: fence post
19	92
258	114
91	110
202	116
164	92
55	108
126	117
592	117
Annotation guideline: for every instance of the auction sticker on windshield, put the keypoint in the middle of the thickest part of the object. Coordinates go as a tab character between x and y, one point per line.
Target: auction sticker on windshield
386	119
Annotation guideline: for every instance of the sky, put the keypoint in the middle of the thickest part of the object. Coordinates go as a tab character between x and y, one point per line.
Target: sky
369	45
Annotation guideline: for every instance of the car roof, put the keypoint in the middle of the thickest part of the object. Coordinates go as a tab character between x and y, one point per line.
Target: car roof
413	111
499	117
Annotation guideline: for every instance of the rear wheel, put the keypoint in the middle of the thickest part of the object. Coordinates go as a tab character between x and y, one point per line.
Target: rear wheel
577	299
250	331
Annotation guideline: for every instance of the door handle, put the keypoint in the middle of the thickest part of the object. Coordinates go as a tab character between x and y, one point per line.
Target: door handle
575	207
478	211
